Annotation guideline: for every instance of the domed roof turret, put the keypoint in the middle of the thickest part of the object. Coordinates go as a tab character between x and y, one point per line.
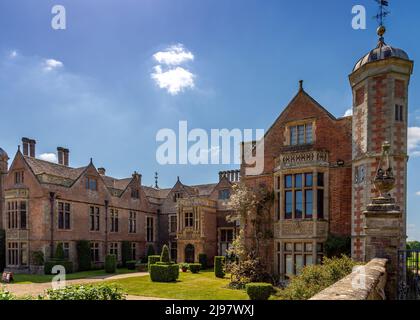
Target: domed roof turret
381	52
3	155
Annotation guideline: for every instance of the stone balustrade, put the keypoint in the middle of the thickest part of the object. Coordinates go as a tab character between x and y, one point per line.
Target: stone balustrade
364	283
300	159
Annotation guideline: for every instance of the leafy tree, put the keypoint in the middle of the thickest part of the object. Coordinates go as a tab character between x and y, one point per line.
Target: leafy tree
413	245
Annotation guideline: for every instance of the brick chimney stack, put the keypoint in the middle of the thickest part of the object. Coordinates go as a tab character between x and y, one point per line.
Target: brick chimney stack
28	146
101	171
63	156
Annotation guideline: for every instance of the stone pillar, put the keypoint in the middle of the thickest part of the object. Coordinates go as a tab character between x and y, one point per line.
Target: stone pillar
383	237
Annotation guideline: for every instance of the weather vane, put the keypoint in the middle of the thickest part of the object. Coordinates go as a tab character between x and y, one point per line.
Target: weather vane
383	13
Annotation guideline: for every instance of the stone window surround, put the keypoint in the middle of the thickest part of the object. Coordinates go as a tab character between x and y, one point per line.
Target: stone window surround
56	216
6	213
315	171
280	252
18	251
170	217
288	125
153	228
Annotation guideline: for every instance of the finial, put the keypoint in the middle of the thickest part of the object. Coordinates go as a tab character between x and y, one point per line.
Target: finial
18	148
156	180
300	85
91	160
177	179
382	14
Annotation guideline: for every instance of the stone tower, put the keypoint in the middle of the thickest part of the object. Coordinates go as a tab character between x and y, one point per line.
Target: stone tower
380	83
3	171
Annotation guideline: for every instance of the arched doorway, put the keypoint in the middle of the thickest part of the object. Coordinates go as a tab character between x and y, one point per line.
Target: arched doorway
189	253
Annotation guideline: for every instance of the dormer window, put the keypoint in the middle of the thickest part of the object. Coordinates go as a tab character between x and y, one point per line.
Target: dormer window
19	177
301	134
91	184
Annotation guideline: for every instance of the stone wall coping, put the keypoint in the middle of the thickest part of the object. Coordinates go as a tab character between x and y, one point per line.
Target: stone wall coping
362	284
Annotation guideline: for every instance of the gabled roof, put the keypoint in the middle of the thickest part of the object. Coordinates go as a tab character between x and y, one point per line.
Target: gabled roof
39	167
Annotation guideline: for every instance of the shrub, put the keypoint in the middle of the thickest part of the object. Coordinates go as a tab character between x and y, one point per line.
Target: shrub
125	253
336	246
87	292
202	259
131	265
152	260
2	249
165	255
49	265
141	267
164	273
38	258
315	278
6	295
110	263
194	267
150	251
259	290
59	252
83	255
219	262
247	270
184	267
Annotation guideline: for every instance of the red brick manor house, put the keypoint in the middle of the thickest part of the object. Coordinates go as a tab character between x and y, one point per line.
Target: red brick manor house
319	167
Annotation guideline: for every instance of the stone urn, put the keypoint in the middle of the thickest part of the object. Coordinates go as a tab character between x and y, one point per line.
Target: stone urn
384	181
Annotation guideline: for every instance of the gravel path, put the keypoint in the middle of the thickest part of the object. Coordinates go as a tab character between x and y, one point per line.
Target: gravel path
34	289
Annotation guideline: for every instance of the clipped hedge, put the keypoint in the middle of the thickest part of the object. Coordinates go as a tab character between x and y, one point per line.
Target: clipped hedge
195	267
164	273
202	259
152	260
2	250
165	255
259	290
83	255
131	265
110	263
219	262
125	252
49	265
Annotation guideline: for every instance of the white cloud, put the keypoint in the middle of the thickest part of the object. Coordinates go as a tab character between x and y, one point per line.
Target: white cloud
13	54
174	55
173	80
414	141
51	64
50	157
348	112
418	193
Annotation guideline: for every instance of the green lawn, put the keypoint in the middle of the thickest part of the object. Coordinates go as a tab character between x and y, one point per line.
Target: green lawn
31	278
201	286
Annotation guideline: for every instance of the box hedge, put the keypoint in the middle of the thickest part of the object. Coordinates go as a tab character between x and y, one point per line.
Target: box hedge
131	264
195	267
164	273
152	260
49	265
110	263
202	259
83	255
259	291
165	255
219	262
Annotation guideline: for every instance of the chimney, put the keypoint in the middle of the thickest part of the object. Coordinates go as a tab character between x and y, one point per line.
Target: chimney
32	144
66	157
25	146
60	155
137	176
101	171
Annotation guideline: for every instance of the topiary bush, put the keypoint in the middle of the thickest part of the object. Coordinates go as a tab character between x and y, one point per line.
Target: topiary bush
125	252
110	263
202	259
259	290
83	255
219	262
49	265
38	258
150	251
59	252
2	249
131	265
194	267
164	273
152	260
165	255
86	292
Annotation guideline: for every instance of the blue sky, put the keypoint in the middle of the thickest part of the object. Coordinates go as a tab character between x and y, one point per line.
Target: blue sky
91	87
